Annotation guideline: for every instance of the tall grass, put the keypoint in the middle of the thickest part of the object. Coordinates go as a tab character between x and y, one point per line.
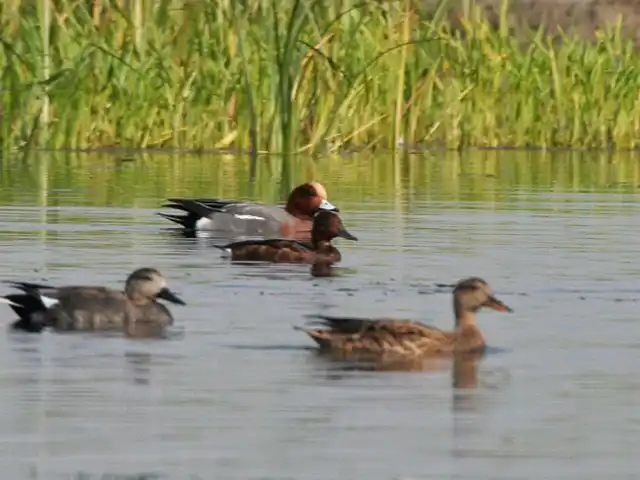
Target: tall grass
304	76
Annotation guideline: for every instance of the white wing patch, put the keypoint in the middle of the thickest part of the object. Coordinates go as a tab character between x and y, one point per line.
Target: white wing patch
48	302
203	222
248	217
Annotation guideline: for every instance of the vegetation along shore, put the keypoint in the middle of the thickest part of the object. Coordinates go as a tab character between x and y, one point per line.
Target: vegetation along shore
315	76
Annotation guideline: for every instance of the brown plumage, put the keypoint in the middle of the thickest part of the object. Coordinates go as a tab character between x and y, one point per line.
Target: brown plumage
327	225
93	308
405	338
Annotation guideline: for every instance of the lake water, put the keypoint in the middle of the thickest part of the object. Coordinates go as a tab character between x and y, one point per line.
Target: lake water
238	394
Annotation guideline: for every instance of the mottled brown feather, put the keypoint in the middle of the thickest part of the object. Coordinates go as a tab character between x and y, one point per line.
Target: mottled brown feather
405	338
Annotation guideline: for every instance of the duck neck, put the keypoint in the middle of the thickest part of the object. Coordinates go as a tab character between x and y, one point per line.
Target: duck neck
319	245
465	319
467	334
135	298
293	208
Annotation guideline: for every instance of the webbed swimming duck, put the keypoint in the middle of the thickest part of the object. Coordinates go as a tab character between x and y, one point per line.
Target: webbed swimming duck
405	338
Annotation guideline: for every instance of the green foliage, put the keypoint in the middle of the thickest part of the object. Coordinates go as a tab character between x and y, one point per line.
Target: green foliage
306	76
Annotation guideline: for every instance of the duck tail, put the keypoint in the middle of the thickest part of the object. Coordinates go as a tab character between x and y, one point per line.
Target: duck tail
28	287
341	325
30	310
192	206
25	304
8	302
321	337
226	251
185	221
194	209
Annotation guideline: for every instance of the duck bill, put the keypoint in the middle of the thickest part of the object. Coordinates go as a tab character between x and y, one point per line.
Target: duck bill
344	233
169	296
326	205
496	304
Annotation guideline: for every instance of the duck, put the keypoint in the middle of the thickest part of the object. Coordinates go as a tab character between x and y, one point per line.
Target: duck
251	219
376	338
94	308
320	250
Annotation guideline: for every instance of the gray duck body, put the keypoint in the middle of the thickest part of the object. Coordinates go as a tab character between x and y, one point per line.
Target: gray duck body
95	308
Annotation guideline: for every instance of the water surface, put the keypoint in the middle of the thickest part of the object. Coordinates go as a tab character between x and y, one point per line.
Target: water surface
238	394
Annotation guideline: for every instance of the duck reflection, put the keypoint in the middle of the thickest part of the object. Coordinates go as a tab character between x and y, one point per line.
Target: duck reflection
138	367
464	367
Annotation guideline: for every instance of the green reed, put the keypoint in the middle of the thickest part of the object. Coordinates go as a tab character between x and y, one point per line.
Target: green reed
315	76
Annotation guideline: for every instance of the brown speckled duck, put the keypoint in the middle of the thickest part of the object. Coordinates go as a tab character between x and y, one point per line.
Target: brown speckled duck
327	225
405	338
93	308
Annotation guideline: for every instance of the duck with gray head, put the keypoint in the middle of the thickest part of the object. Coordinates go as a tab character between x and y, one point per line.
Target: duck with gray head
386	337
327	225
94	308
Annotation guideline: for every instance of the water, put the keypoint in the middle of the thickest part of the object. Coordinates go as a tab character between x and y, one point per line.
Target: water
238	394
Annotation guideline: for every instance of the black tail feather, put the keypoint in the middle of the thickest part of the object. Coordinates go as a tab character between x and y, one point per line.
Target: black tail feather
213	203
185	221
174	206
30	310
27	287
25	304
195	210
194	207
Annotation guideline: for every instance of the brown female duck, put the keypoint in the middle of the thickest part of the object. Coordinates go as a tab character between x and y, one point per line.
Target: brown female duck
233	218
327	225
404	338
92	308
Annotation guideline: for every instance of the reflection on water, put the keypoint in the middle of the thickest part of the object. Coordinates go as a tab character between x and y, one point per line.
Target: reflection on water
236	393
494	179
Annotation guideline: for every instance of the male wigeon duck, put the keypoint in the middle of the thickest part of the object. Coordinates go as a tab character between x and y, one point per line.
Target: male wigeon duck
326	226
404	338
93	308
254	219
